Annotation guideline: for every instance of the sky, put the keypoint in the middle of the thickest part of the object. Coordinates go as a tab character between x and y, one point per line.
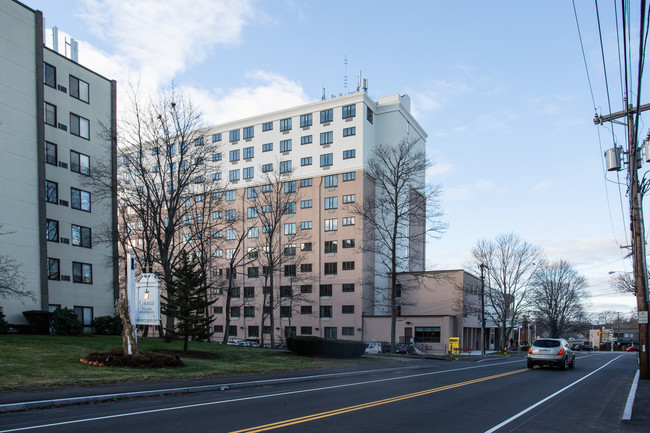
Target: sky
501	88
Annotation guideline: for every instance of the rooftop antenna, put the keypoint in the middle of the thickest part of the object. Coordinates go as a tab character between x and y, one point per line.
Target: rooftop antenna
322	91
359	82
345	77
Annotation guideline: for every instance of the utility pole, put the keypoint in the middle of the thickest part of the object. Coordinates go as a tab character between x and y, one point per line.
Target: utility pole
636	217
482	311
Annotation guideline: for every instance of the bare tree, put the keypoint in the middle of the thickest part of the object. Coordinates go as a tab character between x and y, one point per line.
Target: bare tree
509	264
623	282
161	173
556	297
12	283
398	215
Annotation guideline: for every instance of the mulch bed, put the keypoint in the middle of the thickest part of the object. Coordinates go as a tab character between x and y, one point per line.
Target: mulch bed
117	358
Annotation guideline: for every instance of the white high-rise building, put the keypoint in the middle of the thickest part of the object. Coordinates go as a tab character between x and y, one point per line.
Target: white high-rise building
54	115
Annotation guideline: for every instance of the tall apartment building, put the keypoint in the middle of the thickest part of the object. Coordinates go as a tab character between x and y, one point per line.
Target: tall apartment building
319	152
51	114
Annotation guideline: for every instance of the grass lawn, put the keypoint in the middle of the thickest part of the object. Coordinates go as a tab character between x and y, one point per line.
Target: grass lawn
44	361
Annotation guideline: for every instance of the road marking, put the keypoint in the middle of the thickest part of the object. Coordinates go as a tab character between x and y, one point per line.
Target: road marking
348	409
257	397
528	409
627	413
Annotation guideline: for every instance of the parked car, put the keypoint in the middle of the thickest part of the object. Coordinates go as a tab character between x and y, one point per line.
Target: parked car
552	352
632	349
374	348
581	348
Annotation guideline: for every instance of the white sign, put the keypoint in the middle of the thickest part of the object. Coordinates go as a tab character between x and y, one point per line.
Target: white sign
643	317
147	300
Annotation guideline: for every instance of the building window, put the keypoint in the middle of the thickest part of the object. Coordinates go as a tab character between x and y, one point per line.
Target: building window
249	292
216	157
79	126
348	221
285	311
326	160
285	145
305	267
326	137
331	203
305	161
267	167
305	309
285	166
349	111
347	331
290	229
305	225
51	192
305	120
285	125
249	312
248	173
49	75
248	152
305	330
82	273
252	192
252	212
79	89
331	225
349	131
289	331
50	114
349	154
305	288
348	288
267	147
290	208
348	198
216	176
305	204
249	132
79	163
330	332
217	310
253	272
348	243
235	312
79	199
233	135
290	250
231	194
347	266
290	187
289	270
234	155
348	176
331	181
429	334
53	269
305	246
81	236
305	182
305	139
253	252
347	309
231	234
330	268
233	175
331	247
326	310
232	329
267	126
84	314
199	141
216	137
51	156
52	230
326	116
231	215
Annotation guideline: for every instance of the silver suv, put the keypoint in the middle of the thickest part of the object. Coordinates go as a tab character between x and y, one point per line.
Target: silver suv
551	351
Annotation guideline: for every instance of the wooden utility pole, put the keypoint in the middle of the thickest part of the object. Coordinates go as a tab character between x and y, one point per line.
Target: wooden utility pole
636	217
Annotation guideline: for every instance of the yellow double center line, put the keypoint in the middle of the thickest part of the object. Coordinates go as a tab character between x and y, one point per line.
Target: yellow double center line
343	410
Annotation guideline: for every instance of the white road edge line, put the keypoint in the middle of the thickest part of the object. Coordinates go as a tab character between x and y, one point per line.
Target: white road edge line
257	397
627	413
528	409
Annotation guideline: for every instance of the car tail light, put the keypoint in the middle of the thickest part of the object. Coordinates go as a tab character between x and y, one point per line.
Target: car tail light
530	350
561	351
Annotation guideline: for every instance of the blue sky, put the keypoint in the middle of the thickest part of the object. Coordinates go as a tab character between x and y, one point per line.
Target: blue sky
500	87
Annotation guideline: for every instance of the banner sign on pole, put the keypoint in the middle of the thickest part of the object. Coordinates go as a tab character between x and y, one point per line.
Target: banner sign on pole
147	308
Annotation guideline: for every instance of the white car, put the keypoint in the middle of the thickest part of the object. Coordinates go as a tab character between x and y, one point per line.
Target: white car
373	348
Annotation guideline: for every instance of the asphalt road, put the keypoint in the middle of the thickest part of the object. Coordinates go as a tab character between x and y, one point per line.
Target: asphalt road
497	394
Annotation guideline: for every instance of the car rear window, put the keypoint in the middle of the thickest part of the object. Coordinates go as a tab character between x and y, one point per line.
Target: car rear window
546	343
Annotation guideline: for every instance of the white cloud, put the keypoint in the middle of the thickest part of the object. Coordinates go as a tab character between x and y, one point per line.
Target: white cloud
272	92
463	192
542	186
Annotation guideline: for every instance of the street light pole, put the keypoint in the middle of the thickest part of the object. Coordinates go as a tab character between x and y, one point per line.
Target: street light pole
482	310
